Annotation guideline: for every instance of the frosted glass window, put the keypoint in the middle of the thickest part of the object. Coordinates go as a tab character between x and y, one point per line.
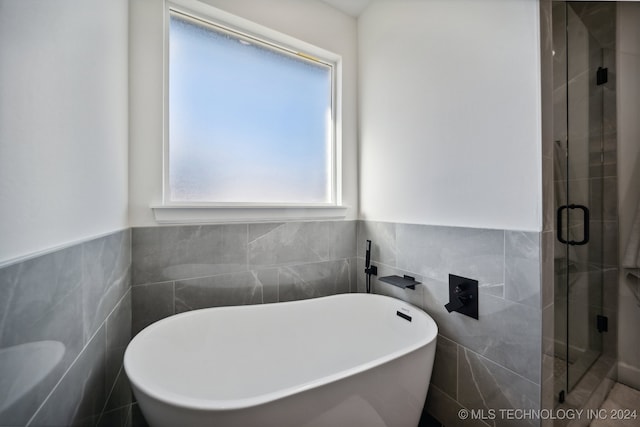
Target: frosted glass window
248	122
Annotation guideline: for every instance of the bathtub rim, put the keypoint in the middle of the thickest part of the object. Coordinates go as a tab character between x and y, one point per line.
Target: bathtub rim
200	404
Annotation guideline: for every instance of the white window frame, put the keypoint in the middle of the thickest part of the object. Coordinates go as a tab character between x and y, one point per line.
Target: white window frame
207	212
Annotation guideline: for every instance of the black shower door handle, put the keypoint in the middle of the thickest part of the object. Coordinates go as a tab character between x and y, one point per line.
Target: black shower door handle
585	225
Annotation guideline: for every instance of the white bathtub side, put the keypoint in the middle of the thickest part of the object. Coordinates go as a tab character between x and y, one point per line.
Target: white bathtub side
389	395
387	389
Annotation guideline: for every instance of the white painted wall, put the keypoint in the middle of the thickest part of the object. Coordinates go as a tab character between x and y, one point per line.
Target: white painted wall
450	113
310	21
628	107
63	122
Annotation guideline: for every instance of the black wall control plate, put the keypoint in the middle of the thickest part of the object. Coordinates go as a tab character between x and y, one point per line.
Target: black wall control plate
470	292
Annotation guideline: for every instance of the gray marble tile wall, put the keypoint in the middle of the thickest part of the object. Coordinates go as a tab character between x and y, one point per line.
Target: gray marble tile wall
491	363
65	321
181	268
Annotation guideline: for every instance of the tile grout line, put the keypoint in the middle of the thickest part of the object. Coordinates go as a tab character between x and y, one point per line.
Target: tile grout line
48	251
457	371
259	268
395	245
431	385
246	251
503	367
113	387
75	360
504	265
116	409
475	382
424	277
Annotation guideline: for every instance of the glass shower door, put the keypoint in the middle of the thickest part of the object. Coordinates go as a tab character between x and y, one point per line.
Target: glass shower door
579	78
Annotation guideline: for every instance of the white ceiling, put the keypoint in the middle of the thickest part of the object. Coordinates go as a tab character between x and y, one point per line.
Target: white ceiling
355	7
350	7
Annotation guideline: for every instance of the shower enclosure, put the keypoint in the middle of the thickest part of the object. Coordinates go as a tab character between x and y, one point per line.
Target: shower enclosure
585	184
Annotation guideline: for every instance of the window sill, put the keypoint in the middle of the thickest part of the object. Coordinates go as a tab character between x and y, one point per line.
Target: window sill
200	214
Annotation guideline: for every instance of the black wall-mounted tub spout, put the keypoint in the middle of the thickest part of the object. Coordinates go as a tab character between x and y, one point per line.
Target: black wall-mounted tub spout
405	282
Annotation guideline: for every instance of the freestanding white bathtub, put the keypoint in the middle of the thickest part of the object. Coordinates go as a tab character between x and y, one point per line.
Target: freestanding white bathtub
343	360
